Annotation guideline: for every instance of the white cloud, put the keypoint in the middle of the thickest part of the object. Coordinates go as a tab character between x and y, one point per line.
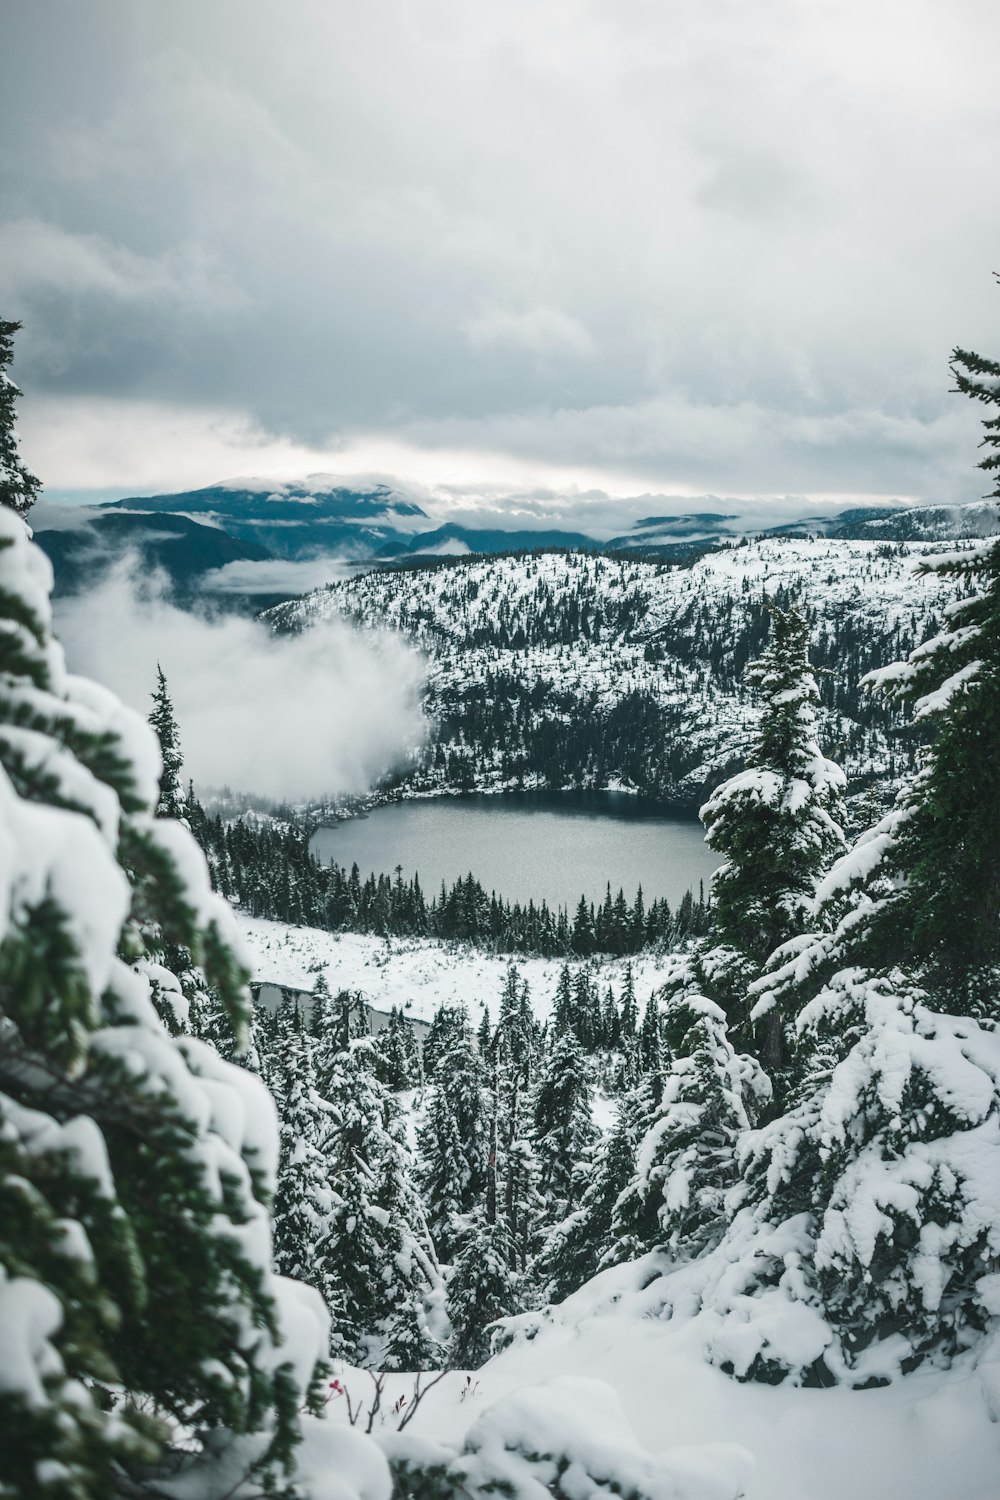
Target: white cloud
275	576
286	717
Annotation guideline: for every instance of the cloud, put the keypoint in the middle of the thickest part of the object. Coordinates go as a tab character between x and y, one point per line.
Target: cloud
290	717
35	256
643	245
542	331
275	576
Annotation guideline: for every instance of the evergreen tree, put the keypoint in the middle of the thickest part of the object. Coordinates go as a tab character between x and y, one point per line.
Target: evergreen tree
688	1158
134	1168
376	1259
18	486
453	1143
398	1064
870	1203
651	1040
629	1008
481	1289
171	802
577	1246
564	1131
302	1200
447	1027
775	824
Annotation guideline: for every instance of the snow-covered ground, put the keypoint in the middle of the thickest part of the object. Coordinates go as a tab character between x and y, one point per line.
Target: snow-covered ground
418	974
930	1436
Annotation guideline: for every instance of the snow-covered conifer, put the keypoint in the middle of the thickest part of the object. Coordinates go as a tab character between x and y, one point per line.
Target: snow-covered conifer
453	1142
19	487
776	823
687	1160
482	1288
576	1248
302	1197
136	1291
376	1258
171	802
564	1130
866	1239
397	1053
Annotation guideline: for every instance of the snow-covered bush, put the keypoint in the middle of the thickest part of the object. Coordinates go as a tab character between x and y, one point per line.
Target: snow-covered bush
567	1440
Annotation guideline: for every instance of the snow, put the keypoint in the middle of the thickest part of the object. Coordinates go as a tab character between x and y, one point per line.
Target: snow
930	1436
417	974
30	1317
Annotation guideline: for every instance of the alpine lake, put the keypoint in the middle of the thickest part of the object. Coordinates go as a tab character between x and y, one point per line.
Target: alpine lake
539	846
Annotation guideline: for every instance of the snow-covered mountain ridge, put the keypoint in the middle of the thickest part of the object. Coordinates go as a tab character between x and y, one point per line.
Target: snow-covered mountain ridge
577	669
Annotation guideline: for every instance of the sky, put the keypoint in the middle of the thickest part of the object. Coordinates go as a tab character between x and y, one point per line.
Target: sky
527	258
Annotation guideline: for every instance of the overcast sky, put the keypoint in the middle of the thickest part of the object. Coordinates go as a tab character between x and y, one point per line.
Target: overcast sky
675	247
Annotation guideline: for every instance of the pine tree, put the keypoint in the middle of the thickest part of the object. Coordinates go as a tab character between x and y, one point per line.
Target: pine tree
134	1166
302	1200
453	1143
577	1246
18	486
396	1050
376	1258
942	836
564	1131
867	1221
651	1039
483	1284
687	1160
481	1289
629	1009
775	824
171	802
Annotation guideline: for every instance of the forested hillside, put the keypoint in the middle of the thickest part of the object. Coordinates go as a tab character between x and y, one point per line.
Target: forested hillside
568	669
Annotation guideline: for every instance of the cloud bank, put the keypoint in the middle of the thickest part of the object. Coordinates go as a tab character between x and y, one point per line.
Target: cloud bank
285	717
676	248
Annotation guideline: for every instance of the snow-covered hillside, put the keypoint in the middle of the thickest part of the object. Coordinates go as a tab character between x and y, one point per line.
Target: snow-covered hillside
417	974
569	668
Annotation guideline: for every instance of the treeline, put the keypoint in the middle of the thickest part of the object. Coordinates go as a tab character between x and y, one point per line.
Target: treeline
269	870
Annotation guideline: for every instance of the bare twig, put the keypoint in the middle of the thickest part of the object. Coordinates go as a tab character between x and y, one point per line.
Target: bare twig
379	1382
419	1392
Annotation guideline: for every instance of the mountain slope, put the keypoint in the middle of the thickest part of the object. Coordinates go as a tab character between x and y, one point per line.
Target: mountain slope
293	519
575	669
180	548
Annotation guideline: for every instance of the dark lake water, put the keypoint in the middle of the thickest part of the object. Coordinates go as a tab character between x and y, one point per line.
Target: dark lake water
552	846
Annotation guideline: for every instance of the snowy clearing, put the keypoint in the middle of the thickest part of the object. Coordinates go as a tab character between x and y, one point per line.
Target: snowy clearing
418	974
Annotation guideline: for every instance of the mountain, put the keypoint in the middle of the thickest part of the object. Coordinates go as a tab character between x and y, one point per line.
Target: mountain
580	669
453	540
871	523
320	514
295	519
81	546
